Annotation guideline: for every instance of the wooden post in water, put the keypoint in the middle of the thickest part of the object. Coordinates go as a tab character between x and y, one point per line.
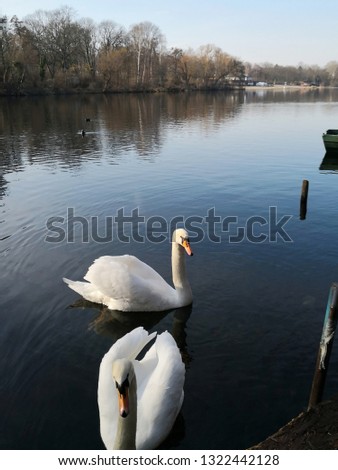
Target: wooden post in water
303	199
325	347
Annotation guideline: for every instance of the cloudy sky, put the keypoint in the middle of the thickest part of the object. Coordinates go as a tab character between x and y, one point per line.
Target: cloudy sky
284	32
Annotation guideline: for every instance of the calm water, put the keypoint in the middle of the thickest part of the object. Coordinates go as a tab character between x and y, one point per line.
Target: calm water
250	339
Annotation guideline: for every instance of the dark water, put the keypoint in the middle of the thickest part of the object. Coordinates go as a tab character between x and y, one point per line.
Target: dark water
250	339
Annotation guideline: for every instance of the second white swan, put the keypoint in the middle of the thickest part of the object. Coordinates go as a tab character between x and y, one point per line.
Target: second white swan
125	283
140	400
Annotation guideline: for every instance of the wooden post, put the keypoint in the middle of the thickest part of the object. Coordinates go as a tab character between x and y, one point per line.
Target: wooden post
325	347
303	199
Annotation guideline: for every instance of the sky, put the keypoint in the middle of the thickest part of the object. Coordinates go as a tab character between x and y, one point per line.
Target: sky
283	32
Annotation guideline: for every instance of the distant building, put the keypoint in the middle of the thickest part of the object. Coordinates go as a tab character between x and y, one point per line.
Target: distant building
248	81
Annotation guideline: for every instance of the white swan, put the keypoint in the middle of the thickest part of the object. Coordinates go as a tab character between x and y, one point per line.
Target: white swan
140	400
125	283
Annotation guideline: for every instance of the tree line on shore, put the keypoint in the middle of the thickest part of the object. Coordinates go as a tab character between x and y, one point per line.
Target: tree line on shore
52	52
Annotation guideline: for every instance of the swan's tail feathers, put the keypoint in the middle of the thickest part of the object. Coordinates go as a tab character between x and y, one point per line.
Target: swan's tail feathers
85	289
78	286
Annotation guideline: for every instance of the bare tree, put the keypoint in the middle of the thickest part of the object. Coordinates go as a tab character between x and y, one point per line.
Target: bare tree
110	36
189	67
15	54
146	43
63	34
89	43
56	37
217	68
173	61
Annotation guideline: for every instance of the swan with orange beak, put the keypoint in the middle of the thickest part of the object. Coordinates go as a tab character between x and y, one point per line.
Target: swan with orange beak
127	284
139	399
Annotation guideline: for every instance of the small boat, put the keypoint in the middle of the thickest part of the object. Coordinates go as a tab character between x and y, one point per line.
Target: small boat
330	139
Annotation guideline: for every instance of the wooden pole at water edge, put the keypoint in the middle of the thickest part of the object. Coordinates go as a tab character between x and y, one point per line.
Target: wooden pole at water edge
303	199
325	347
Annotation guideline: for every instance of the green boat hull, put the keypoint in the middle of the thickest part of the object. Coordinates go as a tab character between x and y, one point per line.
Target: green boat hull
330	139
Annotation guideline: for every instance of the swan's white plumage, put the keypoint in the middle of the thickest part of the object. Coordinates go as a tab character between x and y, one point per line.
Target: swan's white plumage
126	283
160	379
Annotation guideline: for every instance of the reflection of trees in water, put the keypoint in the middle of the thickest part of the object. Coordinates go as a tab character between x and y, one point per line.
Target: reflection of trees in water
48	129
133	122
3	186
215	106
12	142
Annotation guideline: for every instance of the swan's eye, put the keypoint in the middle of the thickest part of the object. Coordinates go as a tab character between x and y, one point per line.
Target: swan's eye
123	387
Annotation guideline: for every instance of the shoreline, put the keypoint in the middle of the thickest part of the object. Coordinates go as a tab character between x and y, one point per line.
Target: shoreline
289	87
235	88
315	429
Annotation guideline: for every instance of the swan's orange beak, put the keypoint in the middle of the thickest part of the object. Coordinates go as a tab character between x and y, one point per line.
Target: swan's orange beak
124	403
187	247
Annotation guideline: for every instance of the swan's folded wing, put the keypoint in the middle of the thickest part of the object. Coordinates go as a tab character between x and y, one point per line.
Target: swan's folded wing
126	277
160	378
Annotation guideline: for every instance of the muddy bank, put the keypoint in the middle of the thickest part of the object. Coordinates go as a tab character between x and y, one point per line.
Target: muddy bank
314	429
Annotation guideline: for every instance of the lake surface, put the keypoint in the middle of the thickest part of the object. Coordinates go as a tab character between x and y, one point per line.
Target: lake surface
230	166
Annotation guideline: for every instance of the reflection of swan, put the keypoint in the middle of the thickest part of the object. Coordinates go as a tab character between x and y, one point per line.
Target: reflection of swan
126	283
140	400
180	318
115	324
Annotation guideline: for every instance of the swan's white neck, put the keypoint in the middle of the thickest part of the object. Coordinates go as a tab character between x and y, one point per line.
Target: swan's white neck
180	279
126	427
